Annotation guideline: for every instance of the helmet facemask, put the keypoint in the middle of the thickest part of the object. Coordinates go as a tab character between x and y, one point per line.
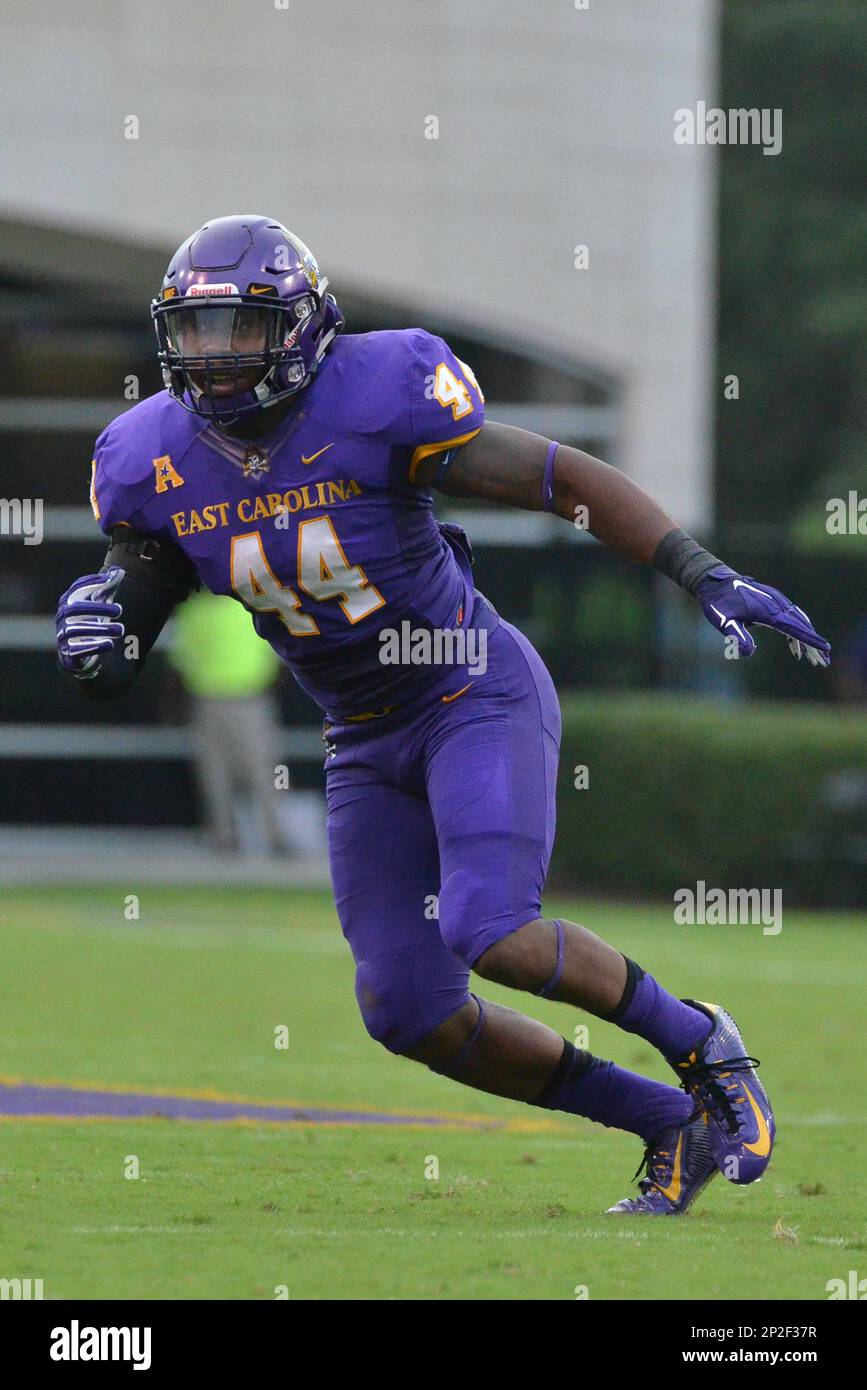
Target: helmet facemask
226	356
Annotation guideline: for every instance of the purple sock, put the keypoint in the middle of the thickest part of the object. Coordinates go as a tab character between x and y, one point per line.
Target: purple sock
650	1011
602	1091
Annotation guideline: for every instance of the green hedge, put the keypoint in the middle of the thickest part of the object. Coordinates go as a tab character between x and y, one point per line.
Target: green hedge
681	789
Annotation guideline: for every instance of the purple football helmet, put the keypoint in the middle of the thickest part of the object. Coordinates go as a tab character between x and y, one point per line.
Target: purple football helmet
242	319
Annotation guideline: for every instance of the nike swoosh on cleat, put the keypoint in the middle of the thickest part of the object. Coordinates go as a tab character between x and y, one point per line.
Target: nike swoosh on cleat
308	458
762	1147
672	1192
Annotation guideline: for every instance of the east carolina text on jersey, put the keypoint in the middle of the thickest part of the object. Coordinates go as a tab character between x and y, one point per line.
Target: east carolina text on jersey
304	499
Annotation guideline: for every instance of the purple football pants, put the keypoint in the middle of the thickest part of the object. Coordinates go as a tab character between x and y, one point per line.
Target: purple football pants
440	827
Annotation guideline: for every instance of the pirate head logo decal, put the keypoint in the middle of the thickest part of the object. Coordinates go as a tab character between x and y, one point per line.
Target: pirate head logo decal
255	463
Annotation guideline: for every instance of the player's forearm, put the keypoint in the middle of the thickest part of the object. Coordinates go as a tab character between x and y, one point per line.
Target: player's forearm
504	464
609	505
110	675
624	517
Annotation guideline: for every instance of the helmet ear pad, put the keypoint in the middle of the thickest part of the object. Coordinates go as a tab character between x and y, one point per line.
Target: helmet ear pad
333	319
323	329
332	324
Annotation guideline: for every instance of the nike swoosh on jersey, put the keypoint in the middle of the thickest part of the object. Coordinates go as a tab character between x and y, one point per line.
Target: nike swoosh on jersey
308	458
447	699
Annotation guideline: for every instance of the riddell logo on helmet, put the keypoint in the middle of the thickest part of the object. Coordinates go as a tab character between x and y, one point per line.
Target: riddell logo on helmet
205	291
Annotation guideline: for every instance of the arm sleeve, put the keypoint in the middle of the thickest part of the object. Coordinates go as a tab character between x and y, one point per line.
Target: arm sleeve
446	404
157	576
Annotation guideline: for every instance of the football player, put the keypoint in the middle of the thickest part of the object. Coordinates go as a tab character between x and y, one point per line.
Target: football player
292	468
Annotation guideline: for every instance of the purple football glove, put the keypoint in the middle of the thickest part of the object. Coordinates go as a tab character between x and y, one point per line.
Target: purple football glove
734	602
87	621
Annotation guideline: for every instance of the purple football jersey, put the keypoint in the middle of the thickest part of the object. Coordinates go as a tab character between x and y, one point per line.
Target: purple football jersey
318	528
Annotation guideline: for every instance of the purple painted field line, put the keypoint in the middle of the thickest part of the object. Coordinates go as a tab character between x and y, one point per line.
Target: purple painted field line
71	1102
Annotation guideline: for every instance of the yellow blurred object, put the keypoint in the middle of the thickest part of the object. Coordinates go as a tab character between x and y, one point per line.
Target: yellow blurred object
217	651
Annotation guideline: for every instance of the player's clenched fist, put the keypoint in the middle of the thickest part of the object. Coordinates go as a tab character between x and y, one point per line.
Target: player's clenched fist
88	621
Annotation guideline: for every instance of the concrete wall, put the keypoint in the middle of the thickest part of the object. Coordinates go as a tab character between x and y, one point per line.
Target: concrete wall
555	129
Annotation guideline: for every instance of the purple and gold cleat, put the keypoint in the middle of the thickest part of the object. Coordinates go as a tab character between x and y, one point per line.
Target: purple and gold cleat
722	1081
679	1164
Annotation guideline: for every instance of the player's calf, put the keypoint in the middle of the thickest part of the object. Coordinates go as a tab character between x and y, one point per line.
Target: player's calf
444	1045
560	960
496	1049
566	962
493	1049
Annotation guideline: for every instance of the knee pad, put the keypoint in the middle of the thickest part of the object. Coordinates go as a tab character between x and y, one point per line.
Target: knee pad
467	905
475	914
395	1012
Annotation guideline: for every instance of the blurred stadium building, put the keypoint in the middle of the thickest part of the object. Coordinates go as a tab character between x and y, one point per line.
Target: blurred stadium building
435	188
504	174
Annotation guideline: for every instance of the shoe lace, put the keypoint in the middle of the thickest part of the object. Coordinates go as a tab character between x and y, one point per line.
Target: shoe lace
652	1160
714	1076
649	1165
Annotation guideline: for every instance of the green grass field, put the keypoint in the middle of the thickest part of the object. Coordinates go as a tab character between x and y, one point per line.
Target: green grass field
187	999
